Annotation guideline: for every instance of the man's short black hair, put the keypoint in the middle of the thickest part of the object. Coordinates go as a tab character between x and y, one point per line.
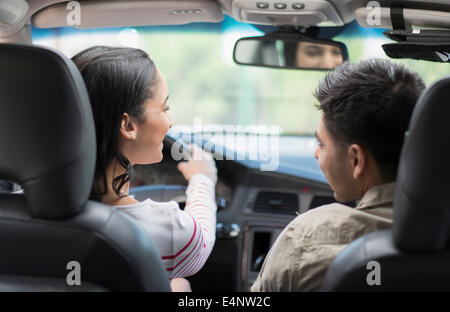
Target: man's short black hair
370	103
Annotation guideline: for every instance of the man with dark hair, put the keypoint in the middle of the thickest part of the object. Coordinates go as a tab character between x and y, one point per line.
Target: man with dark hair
366	109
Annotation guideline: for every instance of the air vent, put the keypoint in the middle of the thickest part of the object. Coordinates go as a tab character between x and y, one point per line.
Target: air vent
276	202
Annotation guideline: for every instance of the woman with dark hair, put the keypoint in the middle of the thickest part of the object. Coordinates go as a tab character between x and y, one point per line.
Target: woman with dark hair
129	102
312	55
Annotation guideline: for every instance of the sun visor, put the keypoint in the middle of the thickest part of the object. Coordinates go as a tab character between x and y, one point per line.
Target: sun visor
382	17
96	14
419	36
434	52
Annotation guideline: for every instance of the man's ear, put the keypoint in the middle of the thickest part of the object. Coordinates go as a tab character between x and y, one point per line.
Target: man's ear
128	127
359	160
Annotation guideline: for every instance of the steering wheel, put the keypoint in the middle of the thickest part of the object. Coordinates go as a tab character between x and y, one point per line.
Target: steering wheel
179	151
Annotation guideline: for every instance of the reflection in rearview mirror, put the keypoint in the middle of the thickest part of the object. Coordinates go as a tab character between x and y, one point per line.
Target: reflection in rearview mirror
312	55
281	53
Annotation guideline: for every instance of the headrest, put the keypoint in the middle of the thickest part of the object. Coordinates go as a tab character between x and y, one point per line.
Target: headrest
422	199
47	133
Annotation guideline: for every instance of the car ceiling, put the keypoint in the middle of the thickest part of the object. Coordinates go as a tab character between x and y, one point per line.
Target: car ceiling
103	13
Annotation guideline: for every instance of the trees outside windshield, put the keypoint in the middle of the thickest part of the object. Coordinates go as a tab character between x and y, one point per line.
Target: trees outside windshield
205	83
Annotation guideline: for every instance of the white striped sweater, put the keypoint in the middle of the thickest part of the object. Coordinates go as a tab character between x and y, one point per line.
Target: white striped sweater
184	238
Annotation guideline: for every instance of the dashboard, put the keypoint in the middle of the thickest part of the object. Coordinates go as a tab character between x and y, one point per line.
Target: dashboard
254	206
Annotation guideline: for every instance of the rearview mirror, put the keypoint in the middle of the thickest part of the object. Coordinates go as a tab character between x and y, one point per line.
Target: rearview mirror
288	50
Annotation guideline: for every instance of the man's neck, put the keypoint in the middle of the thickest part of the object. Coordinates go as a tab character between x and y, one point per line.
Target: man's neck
371	181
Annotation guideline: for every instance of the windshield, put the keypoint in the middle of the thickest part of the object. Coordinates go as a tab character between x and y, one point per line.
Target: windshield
207	87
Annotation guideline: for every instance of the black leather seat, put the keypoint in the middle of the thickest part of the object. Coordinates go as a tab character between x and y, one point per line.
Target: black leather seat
47	145
415	254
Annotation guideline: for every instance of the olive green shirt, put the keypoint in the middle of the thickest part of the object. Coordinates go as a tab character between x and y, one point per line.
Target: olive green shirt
302	253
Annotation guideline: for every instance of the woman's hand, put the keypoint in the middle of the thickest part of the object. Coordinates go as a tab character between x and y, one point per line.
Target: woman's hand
201	162
180	285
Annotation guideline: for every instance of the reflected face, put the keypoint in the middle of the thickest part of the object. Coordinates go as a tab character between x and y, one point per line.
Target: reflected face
312	55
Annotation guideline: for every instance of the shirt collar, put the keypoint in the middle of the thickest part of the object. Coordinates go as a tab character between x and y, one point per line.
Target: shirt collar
378	195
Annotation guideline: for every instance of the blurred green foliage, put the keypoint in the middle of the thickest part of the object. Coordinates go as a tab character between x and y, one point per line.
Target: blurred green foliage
204	82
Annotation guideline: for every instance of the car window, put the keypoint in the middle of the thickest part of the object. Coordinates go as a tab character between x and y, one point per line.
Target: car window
206	87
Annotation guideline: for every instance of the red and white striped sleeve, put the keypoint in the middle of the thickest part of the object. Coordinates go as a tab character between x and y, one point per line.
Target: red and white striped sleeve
193	230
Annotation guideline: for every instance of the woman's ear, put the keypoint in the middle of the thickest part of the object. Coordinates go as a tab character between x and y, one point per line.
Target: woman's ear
128	127
358	158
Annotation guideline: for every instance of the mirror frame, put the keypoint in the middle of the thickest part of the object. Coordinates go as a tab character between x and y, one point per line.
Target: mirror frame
294	36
